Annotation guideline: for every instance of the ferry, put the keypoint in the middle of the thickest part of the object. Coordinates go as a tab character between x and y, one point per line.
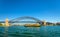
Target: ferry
32	25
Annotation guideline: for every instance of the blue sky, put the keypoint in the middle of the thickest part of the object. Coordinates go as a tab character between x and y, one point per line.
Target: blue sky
48	10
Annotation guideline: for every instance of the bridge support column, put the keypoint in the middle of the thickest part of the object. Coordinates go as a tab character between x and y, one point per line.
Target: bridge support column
44	22
6	22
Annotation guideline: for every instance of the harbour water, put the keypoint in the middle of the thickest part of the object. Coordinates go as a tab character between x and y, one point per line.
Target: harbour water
21	31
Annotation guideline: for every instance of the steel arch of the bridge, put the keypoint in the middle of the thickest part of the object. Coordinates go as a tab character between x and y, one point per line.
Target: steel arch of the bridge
25	17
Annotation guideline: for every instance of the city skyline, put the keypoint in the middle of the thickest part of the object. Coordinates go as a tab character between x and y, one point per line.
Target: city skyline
42	9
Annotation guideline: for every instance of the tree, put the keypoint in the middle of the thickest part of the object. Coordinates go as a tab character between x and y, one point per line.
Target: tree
58	23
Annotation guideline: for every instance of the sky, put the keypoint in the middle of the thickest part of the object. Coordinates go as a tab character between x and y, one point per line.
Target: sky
48	10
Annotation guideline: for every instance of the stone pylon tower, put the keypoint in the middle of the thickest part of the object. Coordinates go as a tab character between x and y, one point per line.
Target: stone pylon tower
6	22
44	23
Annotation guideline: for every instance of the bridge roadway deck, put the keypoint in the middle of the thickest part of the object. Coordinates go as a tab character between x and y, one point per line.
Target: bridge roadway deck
19	22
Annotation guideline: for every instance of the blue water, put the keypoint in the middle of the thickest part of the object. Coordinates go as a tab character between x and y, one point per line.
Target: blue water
21	31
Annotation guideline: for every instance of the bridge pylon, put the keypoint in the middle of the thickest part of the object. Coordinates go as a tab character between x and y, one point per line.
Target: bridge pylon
44	22
6	22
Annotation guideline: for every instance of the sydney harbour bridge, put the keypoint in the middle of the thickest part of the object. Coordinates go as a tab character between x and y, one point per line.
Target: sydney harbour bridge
18	20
